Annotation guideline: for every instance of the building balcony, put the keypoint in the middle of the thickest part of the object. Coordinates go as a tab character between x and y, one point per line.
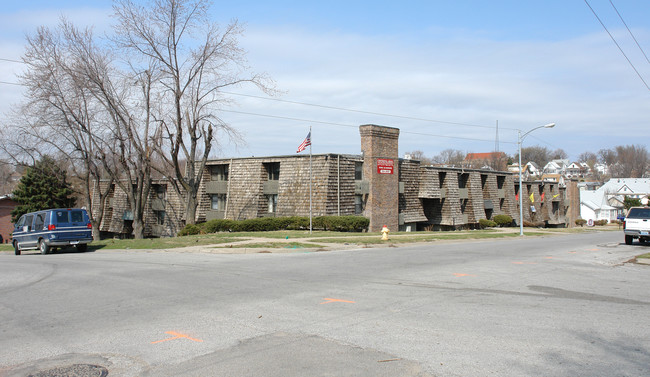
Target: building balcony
216	187
271	187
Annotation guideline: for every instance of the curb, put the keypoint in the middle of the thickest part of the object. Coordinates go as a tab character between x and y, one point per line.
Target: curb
643	261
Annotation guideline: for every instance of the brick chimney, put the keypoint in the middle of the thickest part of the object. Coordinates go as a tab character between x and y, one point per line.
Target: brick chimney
379	145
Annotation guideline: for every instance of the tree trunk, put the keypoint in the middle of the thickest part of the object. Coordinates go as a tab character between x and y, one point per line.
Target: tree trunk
190	210
138	228
96	231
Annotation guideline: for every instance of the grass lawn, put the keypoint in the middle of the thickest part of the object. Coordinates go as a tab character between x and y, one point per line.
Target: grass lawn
276	245
295	238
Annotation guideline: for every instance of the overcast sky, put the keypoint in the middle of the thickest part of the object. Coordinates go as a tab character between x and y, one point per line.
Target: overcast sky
443	72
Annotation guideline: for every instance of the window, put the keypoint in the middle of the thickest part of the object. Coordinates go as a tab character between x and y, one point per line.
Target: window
218	202
160	191
76	216
273	170
441	178
462	180
160	217
28	221
219	172
40	220
463	205
273	202
358	204
500	181
358	171
62	217
483	180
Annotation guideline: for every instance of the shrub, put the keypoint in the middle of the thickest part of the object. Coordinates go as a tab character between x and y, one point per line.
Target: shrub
189	230
485	223
600	222
341	223
220	225
267	224
533	224
581	222
503	220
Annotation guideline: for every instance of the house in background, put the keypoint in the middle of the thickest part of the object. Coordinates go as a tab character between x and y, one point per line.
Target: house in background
6	226
606	203
558	166
530	171
488	161
577	170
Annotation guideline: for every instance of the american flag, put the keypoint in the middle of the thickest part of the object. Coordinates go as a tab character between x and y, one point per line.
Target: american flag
305	143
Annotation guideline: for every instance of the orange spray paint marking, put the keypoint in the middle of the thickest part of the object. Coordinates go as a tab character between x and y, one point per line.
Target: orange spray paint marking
548	257
330	300
462	275
176	336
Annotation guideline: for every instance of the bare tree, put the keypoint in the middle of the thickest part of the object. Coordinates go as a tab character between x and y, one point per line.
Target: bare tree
194	61
7	182
419	155
558	154
450	157
589	158
539	155
58	113
632	161
607	156
79	105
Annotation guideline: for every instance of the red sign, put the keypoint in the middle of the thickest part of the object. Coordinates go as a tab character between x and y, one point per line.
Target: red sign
385	166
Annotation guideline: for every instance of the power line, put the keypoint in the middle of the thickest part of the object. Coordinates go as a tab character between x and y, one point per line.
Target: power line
362	111
332	123
353	126
342	108
11	83
11	60
630	31
617	45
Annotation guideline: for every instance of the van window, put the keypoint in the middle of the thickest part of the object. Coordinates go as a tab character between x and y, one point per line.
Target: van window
40	220
28	222
21	222
62	217
76	216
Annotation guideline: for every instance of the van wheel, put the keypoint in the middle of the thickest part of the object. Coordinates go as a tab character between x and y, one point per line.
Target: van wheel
82	248
16	248
42	246
628	239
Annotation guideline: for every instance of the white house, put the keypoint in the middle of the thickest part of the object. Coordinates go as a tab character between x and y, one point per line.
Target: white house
601	169
607	201
556	166
530	170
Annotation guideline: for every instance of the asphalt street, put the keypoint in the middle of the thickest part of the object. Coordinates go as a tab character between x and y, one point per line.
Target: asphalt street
565	305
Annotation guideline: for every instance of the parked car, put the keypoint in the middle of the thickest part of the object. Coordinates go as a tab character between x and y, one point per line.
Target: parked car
637	225
52	228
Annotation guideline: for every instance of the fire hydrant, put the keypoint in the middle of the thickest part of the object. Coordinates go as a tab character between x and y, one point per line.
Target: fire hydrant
384	233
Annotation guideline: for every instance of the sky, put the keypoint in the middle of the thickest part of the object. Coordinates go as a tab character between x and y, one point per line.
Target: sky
445	73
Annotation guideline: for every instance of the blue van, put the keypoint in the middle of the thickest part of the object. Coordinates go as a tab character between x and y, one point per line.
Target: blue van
51	228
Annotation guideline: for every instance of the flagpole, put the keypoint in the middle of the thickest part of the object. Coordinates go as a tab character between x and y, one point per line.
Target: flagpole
310	179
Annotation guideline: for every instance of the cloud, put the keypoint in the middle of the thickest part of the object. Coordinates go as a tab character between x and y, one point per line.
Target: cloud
582	84
448	76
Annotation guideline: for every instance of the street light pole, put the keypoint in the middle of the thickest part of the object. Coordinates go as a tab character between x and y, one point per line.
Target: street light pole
520	139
